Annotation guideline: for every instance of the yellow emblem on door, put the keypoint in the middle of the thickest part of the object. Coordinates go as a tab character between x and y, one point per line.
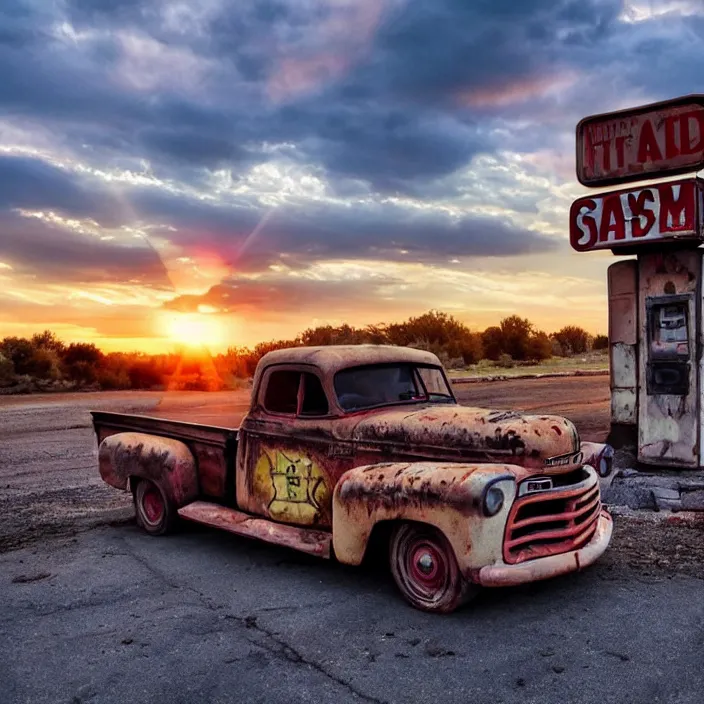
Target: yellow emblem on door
293	485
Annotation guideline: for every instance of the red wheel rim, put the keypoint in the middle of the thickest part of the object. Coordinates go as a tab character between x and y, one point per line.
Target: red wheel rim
153	505
427	568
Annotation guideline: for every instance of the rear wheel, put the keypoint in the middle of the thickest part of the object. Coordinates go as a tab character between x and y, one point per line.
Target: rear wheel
425	569
155	513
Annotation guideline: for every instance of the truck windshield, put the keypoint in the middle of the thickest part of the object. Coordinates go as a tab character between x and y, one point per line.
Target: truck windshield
384	384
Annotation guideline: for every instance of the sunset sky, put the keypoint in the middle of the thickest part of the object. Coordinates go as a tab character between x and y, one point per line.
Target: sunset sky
240	171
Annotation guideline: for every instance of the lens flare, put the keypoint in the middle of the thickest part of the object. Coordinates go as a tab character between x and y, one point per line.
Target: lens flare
195	330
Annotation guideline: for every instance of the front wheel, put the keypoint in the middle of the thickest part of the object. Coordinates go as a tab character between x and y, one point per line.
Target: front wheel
425	569
155	513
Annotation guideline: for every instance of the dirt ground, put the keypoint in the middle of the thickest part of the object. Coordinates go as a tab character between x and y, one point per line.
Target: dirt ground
584	400
49	483
652	546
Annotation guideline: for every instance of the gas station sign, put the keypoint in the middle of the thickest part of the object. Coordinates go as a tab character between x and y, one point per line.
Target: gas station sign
624	218
641	143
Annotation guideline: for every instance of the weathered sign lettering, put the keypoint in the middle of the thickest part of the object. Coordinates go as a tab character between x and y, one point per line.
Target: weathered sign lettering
640	143
628	217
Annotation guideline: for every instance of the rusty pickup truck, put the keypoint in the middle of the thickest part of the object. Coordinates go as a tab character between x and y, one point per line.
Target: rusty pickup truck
345	447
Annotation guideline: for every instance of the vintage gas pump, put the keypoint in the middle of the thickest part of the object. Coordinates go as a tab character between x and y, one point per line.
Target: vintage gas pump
655	297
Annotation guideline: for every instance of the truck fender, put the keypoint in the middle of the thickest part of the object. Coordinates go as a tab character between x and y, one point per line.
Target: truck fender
169	463
447	496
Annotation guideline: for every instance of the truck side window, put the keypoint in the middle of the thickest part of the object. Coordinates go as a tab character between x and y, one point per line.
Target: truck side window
282	392
434	381
315	402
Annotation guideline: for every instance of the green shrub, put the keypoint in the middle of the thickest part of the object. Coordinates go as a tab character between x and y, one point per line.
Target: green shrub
113	380
573	340
81	362
516	333
49	341
437	331
493	343
505	361
144	374
45	364
7	371
20	352
601	342
539	347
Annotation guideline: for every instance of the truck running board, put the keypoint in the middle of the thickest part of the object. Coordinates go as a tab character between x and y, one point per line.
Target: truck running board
313	542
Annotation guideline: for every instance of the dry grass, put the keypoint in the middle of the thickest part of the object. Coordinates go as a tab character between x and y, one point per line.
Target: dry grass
593	361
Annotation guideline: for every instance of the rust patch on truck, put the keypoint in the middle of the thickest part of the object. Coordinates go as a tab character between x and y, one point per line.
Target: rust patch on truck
447	496
304	540
395	486
553	521
460	432
167	462
502	575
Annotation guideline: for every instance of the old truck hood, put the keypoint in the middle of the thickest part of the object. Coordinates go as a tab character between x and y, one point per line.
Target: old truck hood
548	443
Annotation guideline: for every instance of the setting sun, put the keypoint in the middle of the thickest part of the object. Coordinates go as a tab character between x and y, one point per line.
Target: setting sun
195	330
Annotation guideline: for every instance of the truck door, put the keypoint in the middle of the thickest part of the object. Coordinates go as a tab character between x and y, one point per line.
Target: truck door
668	425
282	471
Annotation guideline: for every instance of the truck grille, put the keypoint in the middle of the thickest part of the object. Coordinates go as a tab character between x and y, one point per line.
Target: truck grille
552	522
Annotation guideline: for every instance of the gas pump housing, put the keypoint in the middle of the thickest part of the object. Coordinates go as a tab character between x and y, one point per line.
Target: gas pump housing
655	308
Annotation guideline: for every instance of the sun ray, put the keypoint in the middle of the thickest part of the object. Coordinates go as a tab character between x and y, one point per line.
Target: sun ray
195	330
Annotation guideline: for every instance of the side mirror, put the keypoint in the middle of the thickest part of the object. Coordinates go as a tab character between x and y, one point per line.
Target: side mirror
600	456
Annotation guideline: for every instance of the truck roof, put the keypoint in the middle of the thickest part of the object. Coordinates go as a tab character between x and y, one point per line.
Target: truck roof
330	358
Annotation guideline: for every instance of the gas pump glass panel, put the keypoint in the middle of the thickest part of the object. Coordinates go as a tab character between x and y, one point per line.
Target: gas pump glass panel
669	345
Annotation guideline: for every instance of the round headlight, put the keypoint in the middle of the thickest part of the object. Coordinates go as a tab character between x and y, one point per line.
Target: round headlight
606	461
493	501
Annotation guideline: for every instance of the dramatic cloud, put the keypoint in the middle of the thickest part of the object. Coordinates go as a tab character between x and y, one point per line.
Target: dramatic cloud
247	236
187	148
32	183
368	90
284	293
55	250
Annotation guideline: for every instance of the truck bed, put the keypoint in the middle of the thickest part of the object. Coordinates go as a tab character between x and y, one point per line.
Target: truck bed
177	429
214	448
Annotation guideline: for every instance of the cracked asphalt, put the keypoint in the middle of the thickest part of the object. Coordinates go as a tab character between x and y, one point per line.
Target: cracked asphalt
113	615
104	613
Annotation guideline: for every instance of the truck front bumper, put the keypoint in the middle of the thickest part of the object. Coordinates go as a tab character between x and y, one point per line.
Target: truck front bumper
552	566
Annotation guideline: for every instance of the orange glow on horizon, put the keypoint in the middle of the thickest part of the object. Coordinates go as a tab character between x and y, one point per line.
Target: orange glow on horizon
195	330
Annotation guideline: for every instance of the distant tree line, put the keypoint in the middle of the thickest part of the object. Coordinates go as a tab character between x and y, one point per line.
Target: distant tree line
44	362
